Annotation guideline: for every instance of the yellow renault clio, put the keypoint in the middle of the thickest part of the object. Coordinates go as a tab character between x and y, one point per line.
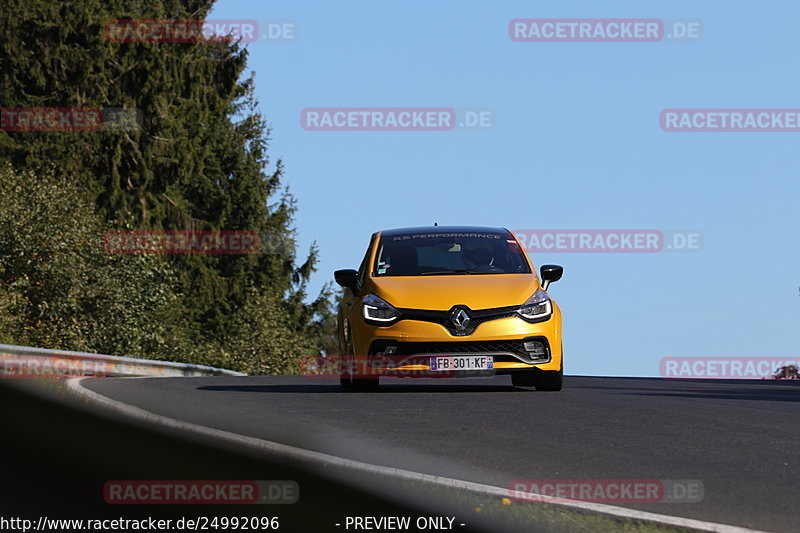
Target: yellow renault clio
449	302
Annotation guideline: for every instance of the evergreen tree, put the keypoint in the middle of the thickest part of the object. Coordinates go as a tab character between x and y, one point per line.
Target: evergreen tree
197	160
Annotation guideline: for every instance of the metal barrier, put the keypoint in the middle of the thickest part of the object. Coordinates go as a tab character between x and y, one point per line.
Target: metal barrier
26	362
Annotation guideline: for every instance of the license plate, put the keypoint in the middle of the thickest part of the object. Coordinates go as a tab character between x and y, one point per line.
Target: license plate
462	362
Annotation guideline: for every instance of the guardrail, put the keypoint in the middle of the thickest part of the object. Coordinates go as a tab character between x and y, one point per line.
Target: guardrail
27	362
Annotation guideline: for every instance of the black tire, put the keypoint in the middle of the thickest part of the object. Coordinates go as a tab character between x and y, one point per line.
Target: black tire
524	379
362	379
345	376
549	380
350	381
366	384
345	380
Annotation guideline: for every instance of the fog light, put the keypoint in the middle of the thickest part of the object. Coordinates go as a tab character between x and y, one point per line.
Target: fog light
535	349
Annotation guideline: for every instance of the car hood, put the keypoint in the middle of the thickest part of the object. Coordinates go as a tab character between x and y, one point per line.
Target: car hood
443	292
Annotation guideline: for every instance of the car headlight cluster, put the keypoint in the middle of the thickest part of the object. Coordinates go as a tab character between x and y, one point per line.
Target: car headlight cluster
378	311
537	308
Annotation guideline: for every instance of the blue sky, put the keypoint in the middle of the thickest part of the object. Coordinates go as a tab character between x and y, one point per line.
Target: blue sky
576	145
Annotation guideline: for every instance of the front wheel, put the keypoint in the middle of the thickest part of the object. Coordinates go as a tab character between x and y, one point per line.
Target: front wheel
549	380
524	379
345	380
352	373
544	380
346	364
366	384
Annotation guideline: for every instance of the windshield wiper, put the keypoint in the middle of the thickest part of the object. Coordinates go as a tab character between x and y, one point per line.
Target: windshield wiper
445	272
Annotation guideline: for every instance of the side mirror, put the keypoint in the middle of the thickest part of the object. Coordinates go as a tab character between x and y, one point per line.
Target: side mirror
550	273
347	278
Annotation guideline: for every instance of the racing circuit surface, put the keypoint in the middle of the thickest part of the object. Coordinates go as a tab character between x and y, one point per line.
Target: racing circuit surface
739	438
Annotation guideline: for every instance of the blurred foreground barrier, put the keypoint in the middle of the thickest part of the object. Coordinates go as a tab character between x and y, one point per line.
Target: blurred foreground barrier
24	362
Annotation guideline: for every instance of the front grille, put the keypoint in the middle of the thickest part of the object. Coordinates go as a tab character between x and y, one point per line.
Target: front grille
476	317
510	350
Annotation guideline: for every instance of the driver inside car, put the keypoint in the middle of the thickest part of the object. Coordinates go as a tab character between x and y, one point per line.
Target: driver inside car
479	261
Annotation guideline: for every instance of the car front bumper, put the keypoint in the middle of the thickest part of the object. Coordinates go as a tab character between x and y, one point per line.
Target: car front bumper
404	349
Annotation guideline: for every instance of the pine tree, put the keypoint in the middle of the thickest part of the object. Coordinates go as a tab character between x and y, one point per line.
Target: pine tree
198	159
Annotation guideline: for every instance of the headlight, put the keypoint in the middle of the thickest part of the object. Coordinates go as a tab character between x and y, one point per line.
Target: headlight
378	311
538	307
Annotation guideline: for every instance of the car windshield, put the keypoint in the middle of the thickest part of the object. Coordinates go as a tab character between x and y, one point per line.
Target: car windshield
449	254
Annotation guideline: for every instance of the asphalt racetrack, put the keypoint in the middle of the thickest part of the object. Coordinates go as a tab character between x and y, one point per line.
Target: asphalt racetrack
741	439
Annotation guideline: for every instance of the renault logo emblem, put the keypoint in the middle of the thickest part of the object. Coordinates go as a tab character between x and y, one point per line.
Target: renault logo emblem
460	319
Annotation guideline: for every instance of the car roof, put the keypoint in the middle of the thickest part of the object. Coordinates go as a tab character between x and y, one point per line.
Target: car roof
443	229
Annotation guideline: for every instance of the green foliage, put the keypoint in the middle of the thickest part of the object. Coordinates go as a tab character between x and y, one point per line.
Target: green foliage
58	286
198	162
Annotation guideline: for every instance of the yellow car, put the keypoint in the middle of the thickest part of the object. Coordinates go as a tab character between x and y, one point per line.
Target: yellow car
449	302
